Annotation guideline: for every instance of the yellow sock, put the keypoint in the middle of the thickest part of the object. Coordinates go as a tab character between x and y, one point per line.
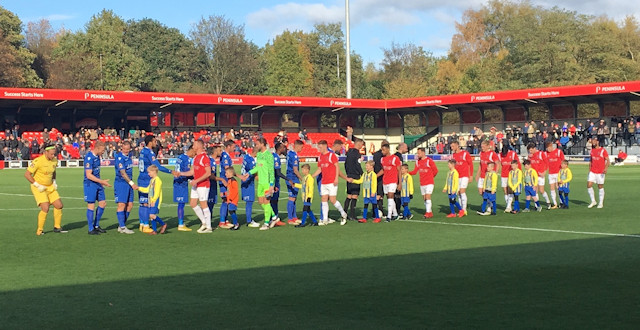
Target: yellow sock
57	218
42	217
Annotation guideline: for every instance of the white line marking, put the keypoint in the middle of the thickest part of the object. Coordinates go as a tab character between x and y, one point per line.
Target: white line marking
523	228
25	195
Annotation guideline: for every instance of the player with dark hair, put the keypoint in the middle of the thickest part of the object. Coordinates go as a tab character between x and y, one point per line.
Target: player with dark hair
598	166
391	177
123	186
353	170
328	167
147	158
94	188
181	186
293	176
464	166
41	174
428	170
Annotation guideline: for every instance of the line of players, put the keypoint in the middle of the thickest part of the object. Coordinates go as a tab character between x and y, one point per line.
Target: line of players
261	175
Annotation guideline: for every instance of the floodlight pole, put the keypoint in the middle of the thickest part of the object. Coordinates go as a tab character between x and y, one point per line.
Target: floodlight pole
348	57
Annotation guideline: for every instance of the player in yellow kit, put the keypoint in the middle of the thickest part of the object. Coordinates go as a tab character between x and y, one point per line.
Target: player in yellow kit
306	188
369	183
406	191
489	185
530	181
42	176
564	177
451	188
155	200
515	185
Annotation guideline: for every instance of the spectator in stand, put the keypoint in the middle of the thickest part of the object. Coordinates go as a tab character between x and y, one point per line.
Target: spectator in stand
564	142
6	154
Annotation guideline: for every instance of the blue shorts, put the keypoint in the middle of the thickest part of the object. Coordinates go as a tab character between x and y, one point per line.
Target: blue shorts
564	190
293	191
93	193
405	200
248	193
489	196
306	204
529	191
154	210
181	193
370	200
122	192
232	207
143	198
452	196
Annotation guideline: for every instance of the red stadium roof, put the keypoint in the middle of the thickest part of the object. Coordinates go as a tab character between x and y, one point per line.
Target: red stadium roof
208	102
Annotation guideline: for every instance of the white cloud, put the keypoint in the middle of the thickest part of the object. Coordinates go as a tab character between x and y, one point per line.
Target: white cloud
58	17
293	16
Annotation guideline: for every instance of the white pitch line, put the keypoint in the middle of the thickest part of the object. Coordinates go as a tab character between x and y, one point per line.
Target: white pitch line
523	228
25	195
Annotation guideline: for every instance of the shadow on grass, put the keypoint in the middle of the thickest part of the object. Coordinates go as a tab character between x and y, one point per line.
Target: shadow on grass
589	283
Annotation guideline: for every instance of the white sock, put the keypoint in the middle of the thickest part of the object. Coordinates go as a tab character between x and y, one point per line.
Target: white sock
601	195
463	201
198	211
592	195
506	199
338	206
428	205
546	196
207	217
391	205
325	211
553	197
509	200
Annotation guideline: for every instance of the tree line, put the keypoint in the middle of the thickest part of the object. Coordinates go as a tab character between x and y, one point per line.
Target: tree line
503	45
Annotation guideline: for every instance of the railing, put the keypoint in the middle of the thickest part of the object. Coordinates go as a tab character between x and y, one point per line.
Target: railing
424	138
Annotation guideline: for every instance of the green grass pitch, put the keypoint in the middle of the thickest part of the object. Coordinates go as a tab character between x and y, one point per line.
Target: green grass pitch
555	269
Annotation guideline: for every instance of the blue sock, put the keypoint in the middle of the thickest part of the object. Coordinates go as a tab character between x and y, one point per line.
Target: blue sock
365	211
274	206
538	204
484	206
527	204
458	205
180	214
291	209
516	205
305	214
313	217
452	208
492	207
566	199
234	217
121	220
159	220
126	216
375	211
248	210
154	225
90	219
406	211
223	212
99	213
143	213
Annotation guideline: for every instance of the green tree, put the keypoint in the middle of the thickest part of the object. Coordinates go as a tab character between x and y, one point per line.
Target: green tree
41	40
173	62
408	71
103	41
15	59
289	70
233	62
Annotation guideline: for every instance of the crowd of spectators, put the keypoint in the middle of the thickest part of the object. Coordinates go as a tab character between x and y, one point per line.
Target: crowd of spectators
616	132
171	143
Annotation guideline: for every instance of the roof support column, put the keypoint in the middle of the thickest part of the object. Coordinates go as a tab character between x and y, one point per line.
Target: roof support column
386	123
216	119
600	109
461	128
627	108
526	113
575	112
504	117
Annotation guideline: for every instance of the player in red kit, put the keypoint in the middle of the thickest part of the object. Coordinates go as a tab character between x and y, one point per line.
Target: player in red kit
486	156
428	170
539	163
555	157
328	167
464	166
390	179
597	169
506	158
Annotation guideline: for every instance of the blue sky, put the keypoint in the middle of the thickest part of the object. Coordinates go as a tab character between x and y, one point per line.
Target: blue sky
374	23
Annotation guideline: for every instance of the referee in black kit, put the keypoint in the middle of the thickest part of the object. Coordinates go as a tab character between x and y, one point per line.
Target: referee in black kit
377	158
353	169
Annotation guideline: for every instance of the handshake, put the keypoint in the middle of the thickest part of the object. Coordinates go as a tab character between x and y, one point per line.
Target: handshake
176	173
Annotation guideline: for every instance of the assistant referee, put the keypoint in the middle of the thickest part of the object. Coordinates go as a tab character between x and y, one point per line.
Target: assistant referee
353	169
41	174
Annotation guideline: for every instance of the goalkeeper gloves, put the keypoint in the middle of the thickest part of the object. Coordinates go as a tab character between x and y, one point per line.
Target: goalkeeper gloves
38	186
55	185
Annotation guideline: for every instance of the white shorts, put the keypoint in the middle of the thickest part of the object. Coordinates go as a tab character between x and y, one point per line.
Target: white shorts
463	183
541	181
328	190
504	182
390	188
200	193
596	178
480	183
426	190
